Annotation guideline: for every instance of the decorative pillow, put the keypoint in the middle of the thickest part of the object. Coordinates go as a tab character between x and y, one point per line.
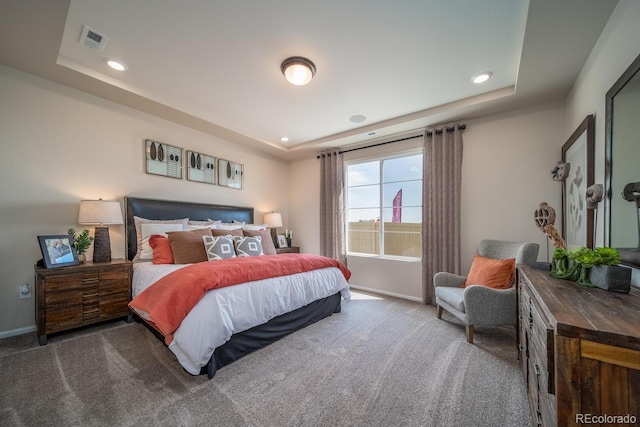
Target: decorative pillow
248	246
152	226
195	225
219	247
494	273
254	227
267	242
161	246
227	226
220	232
187	246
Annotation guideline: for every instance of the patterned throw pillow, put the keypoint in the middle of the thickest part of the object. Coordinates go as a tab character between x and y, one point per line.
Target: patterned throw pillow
248	246
219	247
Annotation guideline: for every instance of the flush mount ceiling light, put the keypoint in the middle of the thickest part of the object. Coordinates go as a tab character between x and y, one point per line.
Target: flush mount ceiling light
298	70
116	65
482	77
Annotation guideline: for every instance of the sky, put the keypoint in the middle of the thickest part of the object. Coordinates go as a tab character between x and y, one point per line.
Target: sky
364	189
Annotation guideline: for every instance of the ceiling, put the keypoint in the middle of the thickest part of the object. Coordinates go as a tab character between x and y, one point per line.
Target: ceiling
215	65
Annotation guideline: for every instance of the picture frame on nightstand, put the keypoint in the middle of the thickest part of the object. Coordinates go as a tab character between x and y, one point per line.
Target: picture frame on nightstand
58	251
282	241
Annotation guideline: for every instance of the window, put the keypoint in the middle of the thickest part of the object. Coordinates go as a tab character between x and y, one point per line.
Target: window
384	206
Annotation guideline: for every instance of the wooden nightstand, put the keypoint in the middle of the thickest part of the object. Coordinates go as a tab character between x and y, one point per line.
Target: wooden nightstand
83	294
289	250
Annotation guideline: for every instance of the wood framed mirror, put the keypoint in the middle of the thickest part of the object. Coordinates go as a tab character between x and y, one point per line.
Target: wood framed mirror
622	168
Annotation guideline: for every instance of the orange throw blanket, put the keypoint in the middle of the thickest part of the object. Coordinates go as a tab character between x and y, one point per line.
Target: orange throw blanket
168	301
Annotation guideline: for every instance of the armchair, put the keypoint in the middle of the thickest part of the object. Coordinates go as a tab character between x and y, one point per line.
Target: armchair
477	305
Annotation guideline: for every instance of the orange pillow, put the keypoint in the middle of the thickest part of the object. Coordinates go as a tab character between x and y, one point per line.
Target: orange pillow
494	273
161	246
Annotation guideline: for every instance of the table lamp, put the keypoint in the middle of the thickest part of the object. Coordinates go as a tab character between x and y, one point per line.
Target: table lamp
273	221
100	212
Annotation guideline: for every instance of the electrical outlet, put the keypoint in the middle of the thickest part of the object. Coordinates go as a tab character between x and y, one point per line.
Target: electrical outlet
25	291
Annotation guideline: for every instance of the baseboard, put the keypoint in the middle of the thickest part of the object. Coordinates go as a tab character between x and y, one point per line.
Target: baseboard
391	294
19	331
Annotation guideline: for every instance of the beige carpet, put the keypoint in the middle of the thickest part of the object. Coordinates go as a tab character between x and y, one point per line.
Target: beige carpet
381	362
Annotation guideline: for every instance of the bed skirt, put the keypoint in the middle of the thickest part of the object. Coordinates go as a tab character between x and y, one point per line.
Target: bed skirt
245	342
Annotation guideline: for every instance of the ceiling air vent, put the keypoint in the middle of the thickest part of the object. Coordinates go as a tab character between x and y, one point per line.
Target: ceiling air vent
92	39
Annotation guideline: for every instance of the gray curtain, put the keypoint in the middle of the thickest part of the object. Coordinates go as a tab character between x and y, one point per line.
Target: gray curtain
332	241
442	178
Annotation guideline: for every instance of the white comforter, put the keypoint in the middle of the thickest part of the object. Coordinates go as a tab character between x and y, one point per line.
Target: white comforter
226	311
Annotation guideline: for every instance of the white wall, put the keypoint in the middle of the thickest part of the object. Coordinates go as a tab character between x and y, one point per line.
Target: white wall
59	146
506	174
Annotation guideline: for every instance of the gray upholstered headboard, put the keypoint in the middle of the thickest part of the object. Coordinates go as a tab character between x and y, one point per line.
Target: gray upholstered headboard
170	209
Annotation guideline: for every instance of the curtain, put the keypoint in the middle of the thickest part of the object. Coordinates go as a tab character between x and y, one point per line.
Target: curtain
332	241
442	178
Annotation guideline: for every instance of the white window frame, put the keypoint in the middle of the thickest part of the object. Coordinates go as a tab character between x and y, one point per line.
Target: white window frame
381	158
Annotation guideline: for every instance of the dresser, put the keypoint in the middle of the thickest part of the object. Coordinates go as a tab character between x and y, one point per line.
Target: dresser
579	350
80	295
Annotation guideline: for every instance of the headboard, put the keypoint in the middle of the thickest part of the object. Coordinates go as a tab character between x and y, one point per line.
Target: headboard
170	209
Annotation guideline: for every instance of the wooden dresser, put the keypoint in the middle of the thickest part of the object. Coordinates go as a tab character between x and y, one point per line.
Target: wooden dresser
79	295
579	351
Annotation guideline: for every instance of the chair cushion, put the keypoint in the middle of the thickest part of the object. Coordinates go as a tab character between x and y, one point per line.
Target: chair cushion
494	273
451	295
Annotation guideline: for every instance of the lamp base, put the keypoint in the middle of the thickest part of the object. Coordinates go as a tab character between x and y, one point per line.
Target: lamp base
102	245
274	237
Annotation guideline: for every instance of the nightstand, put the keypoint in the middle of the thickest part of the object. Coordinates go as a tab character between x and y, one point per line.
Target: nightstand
289	250
80	295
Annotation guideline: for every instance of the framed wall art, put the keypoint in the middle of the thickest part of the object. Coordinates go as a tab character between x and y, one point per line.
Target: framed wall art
230	174
57	251
201	167
163	159
577	156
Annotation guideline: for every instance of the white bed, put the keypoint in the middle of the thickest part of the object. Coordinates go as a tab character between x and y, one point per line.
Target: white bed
229	310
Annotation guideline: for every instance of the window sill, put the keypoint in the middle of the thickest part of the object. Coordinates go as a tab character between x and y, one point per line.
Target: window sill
384	257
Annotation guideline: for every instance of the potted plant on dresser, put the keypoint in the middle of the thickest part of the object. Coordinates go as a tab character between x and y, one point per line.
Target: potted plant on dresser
598	267
81	242
606	273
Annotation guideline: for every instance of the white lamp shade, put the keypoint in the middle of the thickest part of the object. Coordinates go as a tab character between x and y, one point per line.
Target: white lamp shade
273	219
100	212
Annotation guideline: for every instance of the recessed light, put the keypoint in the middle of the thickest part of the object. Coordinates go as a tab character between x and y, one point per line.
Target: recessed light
284	139
482	77
358	118
116	65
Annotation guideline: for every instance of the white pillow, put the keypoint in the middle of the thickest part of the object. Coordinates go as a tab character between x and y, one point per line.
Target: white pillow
148	230
196	225
138	223
254	227
224	226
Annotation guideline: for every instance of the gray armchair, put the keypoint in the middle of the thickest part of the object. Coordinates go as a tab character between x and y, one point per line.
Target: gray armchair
478	305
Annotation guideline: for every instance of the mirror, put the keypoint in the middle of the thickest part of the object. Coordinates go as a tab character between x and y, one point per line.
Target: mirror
622	165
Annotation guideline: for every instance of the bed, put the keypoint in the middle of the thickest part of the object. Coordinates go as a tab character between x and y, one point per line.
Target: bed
232	321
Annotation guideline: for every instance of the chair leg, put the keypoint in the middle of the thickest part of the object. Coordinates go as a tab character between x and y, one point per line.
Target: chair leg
470	334
439	312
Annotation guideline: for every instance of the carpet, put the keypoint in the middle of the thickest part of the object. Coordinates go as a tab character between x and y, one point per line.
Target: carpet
382	361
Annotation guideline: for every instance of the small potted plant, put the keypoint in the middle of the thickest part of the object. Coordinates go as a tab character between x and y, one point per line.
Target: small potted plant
606	273
572	265
81	242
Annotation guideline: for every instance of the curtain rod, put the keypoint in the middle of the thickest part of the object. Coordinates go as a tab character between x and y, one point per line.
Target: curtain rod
429	133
